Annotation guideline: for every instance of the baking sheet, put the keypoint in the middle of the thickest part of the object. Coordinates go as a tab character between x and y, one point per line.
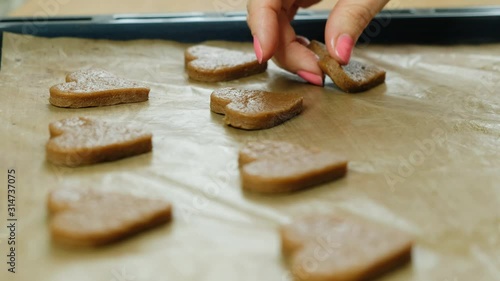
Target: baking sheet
423	152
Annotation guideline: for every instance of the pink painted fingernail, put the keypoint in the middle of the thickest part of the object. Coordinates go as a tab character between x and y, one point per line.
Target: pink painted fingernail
302	40
343	48
311	77
258	49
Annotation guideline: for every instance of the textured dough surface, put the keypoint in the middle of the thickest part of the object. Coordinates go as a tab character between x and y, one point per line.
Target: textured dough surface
66	198
268	149
81	141
342	248
88	217
277	167
253	109
96	87
351	78
213	64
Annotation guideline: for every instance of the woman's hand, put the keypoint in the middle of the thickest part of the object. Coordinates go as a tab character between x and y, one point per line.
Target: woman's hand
269	21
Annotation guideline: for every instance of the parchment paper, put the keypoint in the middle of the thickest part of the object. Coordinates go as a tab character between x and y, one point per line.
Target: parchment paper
423	152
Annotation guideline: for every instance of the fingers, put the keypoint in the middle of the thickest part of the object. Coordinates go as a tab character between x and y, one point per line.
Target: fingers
346	23
306	3
263	22
269	21
292	54
302	40
292	11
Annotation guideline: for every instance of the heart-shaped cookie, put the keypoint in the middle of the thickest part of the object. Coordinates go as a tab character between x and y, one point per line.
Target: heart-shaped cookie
213	64
95	87
252	109
277	167
267	149
88	217
82	141
351	78
342	248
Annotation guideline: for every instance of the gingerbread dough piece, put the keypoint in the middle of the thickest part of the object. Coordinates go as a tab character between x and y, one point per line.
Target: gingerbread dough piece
269	149
278	167
66	198
82	141
95	87
252	109
342	248
87	217
212	64
351	78
318	48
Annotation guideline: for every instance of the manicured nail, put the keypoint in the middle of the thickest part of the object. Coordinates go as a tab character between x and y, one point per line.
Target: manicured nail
343	48
311	77
258	49
302	40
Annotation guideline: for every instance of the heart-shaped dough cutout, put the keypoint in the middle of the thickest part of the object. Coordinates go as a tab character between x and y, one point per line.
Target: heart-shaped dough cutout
278	167
95	87
82	141
351	78
342	248
87	217
213	64
252	109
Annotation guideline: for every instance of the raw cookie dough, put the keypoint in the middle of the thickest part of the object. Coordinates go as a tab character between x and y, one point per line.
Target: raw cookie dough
95	87
88	217
213	64
278	167
342	248
252	109
82	141
269	149
351	78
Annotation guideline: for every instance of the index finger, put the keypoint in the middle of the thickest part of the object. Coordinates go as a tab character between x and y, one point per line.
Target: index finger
263	22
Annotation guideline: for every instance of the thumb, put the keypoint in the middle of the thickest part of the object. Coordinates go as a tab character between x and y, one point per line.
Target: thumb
345	24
